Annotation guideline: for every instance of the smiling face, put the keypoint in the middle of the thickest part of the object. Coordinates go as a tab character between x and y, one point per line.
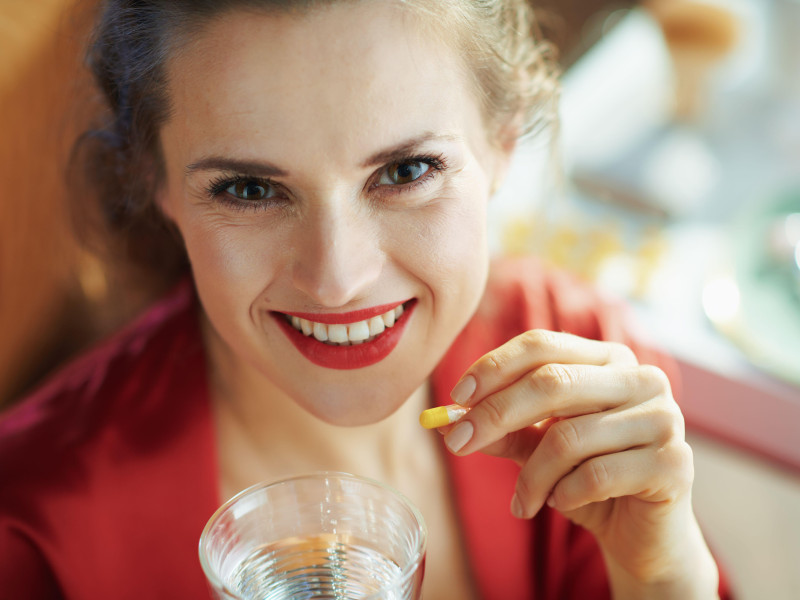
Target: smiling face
329	172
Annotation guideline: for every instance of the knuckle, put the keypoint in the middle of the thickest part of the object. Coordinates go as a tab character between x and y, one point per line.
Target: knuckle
493	364
563	438
687	458
655	378
523	489
684	458
596	477
677	461
551	379
493	412
560	494
668	422
674	456
620	353
536	339
677	426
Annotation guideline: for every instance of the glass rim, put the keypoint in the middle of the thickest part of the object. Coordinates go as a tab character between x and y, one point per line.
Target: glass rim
418	551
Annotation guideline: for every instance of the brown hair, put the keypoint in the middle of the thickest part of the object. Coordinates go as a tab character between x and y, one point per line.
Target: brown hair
119	165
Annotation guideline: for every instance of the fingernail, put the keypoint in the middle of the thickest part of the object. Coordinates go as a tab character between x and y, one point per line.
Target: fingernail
464	390
516	507
459	437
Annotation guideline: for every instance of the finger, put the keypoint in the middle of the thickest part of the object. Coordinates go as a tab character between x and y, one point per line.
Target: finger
530	350
650	474
571	442
519	445
554	390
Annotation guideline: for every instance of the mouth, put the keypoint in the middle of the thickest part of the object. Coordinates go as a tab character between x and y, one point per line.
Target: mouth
348	334
347	340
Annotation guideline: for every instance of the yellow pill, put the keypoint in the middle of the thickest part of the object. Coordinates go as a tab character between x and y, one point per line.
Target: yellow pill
441	416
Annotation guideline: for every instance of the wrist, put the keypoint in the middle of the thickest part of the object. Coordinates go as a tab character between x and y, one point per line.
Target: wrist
683	569
699	583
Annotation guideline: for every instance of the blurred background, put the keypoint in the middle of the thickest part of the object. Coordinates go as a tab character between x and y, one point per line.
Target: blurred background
673	181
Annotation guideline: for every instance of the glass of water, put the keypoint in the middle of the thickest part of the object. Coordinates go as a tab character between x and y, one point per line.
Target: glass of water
326	535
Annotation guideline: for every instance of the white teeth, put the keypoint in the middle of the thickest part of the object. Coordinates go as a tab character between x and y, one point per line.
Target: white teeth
337	333
358	332
321	332
351	333
376	326
306	326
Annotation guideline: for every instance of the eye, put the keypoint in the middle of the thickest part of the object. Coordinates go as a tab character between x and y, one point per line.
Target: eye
404	172
250	189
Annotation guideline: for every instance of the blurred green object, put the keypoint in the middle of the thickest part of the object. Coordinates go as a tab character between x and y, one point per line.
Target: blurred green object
765	247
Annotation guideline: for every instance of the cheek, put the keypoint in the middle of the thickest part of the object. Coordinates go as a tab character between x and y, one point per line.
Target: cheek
456	241
447	244
232	264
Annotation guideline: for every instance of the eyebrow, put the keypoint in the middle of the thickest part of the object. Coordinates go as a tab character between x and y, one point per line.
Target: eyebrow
267	169
404	148
251	167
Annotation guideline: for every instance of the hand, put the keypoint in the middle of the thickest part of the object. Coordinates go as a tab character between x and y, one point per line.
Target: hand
599	438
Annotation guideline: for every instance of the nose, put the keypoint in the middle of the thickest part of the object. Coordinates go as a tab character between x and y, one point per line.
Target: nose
337	257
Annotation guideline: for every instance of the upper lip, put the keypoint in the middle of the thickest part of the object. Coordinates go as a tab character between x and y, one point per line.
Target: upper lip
347	317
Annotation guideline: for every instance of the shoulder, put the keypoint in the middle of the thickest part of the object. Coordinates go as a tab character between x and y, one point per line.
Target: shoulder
87	460
97	396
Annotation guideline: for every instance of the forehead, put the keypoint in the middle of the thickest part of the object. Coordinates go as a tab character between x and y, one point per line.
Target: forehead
351	74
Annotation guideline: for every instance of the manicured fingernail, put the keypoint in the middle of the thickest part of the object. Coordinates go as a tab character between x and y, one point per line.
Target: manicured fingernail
458	438
516	507
464	390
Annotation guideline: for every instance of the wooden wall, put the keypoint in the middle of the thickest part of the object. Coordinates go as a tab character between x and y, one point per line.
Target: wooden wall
43	102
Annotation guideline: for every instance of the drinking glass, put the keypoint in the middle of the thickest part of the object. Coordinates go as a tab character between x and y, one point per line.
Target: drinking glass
324	536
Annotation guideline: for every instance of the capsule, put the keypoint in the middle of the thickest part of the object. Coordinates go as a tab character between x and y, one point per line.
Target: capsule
441	416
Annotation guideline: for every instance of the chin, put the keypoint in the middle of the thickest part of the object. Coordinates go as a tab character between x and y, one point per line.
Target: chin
353	408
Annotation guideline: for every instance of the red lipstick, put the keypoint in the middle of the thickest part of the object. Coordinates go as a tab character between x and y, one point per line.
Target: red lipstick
348	317
346	357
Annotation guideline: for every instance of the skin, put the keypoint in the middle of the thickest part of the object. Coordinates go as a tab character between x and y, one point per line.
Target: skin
599	438
332	243
590	428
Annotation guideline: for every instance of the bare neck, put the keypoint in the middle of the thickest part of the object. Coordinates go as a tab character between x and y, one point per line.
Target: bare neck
265	435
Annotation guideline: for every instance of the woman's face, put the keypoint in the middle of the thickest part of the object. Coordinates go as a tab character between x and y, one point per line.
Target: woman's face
332	167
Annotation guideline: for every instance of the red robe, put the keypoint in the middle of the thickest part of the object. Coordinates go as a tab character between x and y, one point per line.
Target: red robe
108	472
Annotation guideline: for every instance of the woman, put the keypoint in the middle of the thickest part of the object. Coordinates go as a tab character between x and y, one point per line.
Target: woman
327	168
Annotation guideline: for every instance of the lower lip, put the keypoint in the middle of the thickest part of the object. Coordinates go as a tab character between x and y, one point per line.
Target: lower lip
346	357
